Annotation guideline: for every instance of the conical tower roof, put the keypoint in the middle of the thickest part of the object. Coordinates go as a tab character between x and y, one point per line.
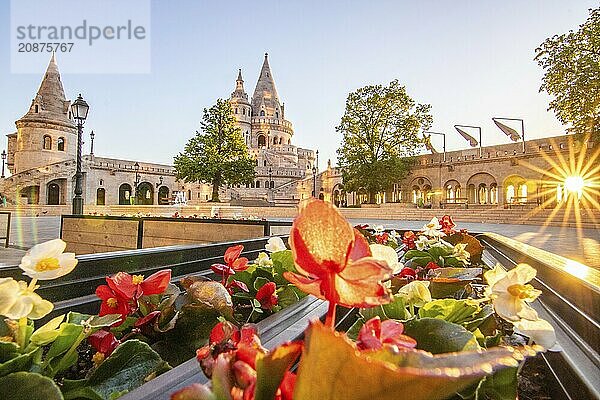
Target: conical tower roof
50	103
239	94
265	91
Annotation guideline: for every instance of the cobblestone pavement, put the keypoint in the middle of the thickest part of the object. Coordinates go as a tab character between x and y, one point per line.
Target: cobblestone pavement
582	245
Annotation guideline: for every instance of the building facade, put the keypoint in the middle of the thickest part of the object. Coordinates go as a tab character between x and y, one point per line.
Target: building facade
535	173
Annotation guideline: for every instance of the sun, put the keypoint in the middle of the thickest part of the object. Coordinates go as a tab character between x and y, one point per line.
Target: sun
575	184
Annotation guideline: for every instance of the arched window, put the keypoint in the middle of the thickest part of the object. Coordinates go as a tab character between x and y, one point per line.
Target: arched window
236	110
60	144
243	111
100	196
47	142
523	193
264	163
274	140
258	184
262	142
277	115
37	109
510	193
262	113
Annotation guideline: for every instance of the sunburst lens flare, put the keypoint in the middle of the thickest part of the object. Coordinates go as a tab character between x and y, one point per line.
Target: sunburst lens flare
575	184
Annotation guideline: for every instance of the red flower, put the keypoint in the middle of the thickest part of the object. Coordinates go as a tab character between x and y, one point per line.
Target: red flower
383	238
407	272
447	224
432	265
266	296
112	303
232	259
334	260
104	342
135	286
408	239
374	334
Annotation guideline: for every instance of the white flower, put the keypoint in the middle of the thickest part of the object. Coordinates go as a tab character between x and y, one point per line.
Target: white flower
539	331
263	260
511	293
394	235
416	293
433	228
461	254
47	260
387	254
17	300
379	229
275	244
422	243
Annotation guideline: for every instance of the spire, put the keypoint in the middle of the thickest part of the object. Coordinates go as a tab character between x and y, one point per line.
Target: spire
239	93
265	91
50	102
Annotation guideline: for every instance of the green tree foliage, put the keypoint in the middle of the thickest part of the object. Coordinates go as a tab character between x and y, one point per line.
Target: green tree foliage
571	62
218	154
380	134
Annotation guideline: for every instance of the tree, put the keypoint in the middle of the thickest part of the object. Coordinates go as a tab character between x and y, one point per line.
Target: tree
380	130
218	154
572	75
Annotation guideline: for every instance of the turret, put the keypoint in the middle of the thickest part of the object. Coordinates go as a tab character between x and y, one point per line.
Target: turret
242	110
46	134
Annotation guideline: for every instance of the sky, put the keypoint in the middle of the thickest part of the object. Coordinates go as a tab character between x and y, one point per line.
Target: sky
471	60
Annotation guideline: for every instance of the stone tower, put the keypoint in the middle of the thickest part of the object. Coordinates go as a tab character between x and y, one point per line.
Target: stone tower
46	134
242	110
269	126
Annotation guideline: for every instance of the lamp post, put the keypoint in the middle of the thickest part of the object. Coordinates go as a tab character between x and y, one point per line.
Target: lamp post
444	135
3	161
80	110
271	185
463	133
160	182
92	135
510	132
314	171
136	183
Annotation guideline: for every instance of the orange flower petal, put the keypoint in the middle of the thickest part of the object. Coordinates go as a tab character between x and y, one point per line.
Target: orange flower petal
361	247
320	238
307	285
366	269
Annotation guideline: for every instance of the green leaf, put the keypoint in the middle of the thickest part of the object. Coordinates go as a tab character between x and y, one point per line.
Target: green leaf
502	385
67	335
22	362
48	332
283	261
28	386
77	318
8	350
260	282
451	310
396	309
271	368
287	296
416	253
131	365
438	336
372	312
105	320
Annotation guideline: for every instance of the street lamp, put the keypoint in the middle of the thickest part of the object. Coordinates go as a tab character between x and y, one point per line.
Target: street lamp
470	138
510	132
79	110
136	183
3	161
439	133
314	171
160	181
92	135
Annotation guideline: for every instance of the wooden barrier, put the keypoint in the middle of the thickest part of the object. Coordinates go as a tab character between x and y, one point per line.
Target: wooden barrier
5	226
100	234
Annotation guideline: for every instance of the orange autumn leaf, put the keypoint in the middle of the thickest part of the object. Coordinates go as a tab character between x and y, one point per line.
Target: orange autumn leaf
333	368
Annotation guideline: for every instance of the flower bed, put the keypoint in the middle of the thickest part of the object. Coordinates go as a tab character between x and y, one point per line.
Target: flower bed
426	326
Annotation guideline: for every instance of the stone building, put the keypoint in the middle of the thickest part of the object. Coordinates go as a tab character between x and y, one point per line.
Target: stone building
42	153
280	165
41	158
503	175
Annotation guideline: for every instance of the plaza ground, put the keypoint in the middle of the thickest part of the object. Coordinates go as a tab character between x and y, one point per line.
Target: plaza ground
582	245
